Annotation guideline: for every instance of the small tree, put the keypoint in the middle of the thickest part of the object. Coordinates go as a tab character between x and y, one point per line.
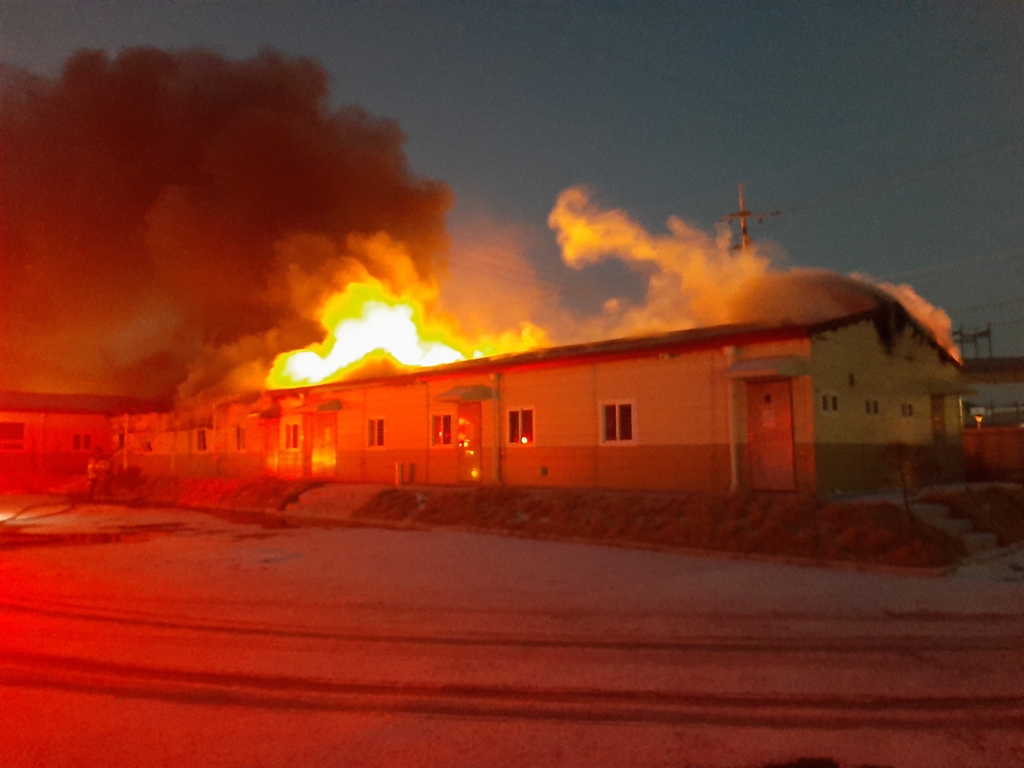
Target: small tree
909	467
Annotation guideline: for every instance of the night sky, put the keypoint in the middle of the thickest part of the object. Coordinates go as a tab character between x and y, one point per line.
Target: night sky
889	135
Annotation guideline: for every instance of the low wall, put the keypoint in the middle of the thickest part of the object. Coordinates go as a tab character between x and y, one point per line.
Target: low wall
994	453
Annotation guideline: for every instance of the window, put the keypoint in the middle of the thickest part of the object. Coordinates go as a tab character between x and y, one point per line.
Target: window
617	422
81	442
829	402
200	439
441	433
12	435
291	437
520	426
375	433
907	410
871	407
240	438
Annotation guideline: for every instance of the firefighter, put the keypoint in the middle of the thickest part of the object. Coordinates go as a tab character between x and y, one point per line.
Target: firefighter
98	471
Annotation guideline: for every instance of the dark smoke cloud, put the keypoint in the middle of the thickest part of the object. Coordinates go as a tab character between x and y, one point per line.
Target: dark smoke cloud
145	201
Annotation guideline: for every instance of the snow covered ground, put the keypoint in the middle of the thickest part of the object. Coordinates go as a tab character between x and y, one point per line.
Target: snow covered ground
151	637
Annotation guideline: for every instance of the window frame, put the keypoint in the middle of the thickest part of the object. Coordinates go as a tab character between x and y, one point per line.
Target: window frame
520	410
434	417
12	443
292	429
602	431
872	406
376	435
201	442
829	406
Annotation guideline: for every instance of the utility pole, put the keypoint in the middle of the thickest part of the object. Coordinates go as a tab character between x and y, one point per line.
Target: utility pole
743	214
963	338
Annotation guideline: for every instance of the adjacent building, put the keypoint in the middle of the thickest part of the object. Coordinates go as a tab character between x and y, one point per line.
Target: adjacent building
54	434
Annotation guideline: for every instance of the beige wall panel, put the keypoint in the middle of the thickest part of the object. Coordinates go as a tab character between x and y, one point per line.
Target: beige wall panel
893	379
562	399
665	467
352	427
679	467
680	400
404	410
851	442
350	465
380	464
803	409
442	466
782	348
241	465
565	466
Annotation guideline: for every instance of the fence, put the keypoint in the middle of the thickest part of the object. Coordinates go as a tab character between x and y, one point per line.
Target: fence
994	453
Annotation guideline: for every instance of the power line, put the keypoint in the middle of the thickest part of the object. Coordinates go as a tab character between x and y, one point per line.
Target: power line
1015	321
993	305
882	182
950	265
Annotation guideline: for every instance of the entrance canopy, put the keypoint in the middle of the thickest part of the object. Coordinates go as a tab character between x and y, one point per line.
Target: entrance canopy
466	394
787	367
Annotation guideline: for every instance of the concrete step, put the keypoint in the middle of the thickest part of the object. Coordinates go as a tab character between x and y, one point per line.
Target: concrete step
930	513
979	542
335	500
955	526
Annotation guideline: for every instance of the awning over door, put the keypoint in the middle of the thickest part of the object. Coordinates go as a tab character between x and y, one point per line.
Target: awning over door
472	394
787	367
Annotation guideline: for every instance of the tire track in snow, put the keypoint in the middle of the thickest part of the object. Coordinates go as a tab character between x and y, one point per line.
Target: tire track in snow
85	676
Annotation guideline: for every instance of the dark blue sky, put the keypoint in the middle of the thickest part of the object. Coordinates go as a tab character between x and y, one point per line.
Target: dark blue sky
889	134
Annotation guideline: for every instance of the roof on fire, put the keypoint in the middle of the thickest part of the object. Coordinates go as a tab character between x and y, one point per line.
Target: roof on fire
889	320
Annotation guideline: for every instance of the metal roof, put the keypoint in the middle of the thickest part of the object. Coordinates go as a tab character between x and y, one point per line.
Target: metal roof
52	402
674	342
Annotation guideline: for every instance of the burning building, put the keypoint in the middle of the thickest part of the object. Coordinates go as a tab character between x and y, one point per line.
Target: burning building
265	230
807	407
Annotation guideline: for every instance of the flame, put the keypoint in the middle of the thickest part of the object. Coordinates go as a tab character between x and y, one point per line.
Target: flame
383	311
367	323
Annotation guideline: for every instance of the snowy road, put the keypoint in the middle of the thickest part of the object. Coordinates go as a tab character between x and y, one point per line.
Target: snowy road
167	637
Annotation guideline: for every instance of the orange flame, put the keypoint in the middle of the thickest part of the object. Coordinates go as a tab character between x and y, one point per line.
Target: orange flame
368	323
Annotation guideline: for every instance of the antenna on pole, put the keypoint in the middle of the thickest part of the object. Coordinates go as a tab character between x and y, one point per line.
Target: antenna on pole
743	214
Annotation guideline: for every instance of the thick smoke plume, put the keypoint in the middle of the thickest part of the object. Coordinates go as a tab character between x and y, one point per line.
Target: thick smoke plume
173	220
696	279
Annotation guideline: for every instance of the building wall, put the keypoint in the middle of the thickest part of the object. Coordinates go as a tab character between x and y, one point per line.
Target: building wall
680	429
48	445
680	425
856	447
681	420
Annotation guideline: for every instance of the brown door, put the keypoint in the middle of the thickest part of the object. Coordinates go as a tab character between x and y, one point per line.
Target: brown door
325	451
770	435
469	443
938	420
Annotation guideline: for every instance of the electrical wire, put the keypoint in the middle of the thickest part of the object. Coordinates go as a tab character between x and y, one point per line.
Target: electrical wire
959	264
